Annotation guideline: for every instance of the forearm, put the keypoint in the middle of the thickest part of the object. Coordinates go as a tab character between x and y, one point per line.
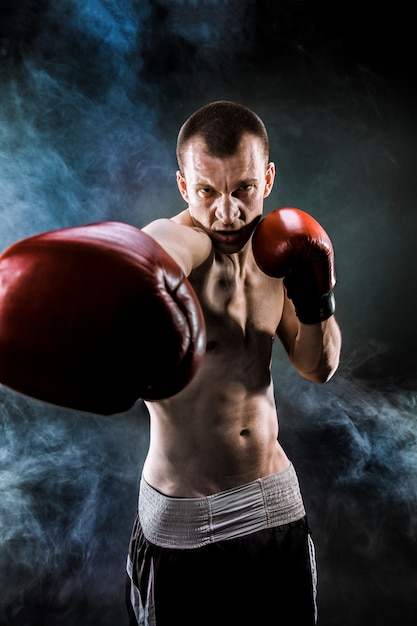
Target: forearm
315	350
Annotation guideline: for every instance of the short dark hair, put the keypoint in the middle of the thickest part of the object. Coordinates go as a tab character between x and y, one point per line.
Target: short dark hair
221	125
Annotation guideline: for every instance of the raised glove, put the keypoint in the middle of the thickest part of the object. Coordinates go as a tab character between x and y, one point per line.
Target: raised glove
289	243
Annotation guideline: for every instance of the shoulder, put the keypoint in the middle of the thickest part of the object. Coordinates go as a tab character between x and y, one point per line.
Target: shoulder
187	245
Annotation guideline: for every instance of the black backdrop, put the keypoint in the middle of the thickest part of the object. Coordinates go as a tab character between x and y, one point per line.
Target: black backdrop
92	96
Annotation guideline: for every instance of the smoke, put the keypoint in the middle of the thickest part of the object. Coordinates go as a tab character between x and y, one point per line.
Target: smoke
92	96
77	140
354	443
69	486
84	110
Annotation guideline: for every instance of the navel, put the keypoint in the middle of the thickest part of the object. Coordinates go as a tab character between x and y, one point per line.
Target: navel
245	432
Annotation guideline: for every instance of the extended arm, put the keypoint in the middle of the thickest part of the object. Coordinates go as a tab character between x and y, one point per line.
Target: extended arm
95	317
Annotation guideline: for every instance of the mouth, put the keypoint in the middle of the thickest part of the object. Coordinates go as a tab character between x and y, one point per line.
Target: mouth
230	237
235	238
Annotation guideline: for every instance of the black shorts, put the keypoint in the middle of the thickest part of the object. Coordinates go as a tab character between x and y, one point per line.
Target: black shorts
265	577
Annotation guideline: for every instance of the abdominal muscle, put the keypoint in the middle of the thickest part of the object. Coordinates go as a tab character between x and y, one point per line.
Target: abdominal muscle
224	440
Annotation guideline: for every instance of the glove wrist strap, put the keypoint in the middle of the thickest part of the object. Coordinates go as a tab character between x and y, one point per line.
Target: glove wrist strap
316	312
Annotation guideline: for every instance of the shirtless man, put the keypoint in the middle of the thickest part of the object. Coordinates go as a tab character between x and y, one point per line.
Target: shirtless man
204	549
95	317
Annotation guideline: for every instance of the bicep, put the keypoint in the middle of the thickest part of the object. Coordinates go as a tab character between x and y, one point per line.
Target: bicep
188	246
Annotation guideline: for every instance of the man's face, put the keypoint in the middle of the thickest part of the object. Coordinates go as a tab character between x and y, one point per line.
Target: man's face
225	196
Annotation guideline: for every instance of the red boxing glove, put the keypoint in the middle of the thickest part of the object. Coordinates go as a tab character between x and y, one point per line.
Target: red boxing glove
95	317
289	243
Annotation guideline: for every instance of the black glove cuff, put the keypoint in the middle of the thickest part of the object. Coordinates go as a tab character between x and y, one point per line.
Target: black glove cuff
318	311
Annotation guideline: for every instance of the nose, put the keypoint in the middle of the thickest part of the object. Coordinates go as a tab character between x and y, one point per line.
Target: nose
227	210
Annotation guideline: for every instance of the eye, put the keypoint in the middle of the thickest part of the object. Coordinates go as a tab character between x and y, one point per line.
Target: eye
242	190
205	191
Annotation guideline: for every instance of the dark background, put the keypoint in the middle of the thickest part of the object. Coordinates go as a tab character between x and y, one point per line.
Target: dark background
91	98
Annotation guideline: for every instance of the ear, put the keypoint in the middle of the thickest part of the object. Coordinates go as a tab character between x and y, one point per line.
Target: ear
182	185
269	178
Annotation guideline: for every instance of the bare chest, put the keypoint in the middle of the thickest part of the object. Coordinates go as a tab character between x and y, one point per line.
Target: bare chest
236	300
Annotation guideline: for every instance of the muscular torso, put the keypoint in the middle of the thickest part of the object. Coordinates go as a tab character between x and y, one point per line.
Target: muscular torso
221	431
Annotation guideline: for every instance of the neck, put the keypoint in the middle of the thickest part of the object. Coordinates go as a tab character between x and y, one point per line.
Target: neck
239	260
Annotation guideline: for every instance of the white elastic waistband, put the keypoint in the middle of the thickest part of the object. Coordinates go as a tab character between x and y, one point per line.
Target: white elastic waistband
194	522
